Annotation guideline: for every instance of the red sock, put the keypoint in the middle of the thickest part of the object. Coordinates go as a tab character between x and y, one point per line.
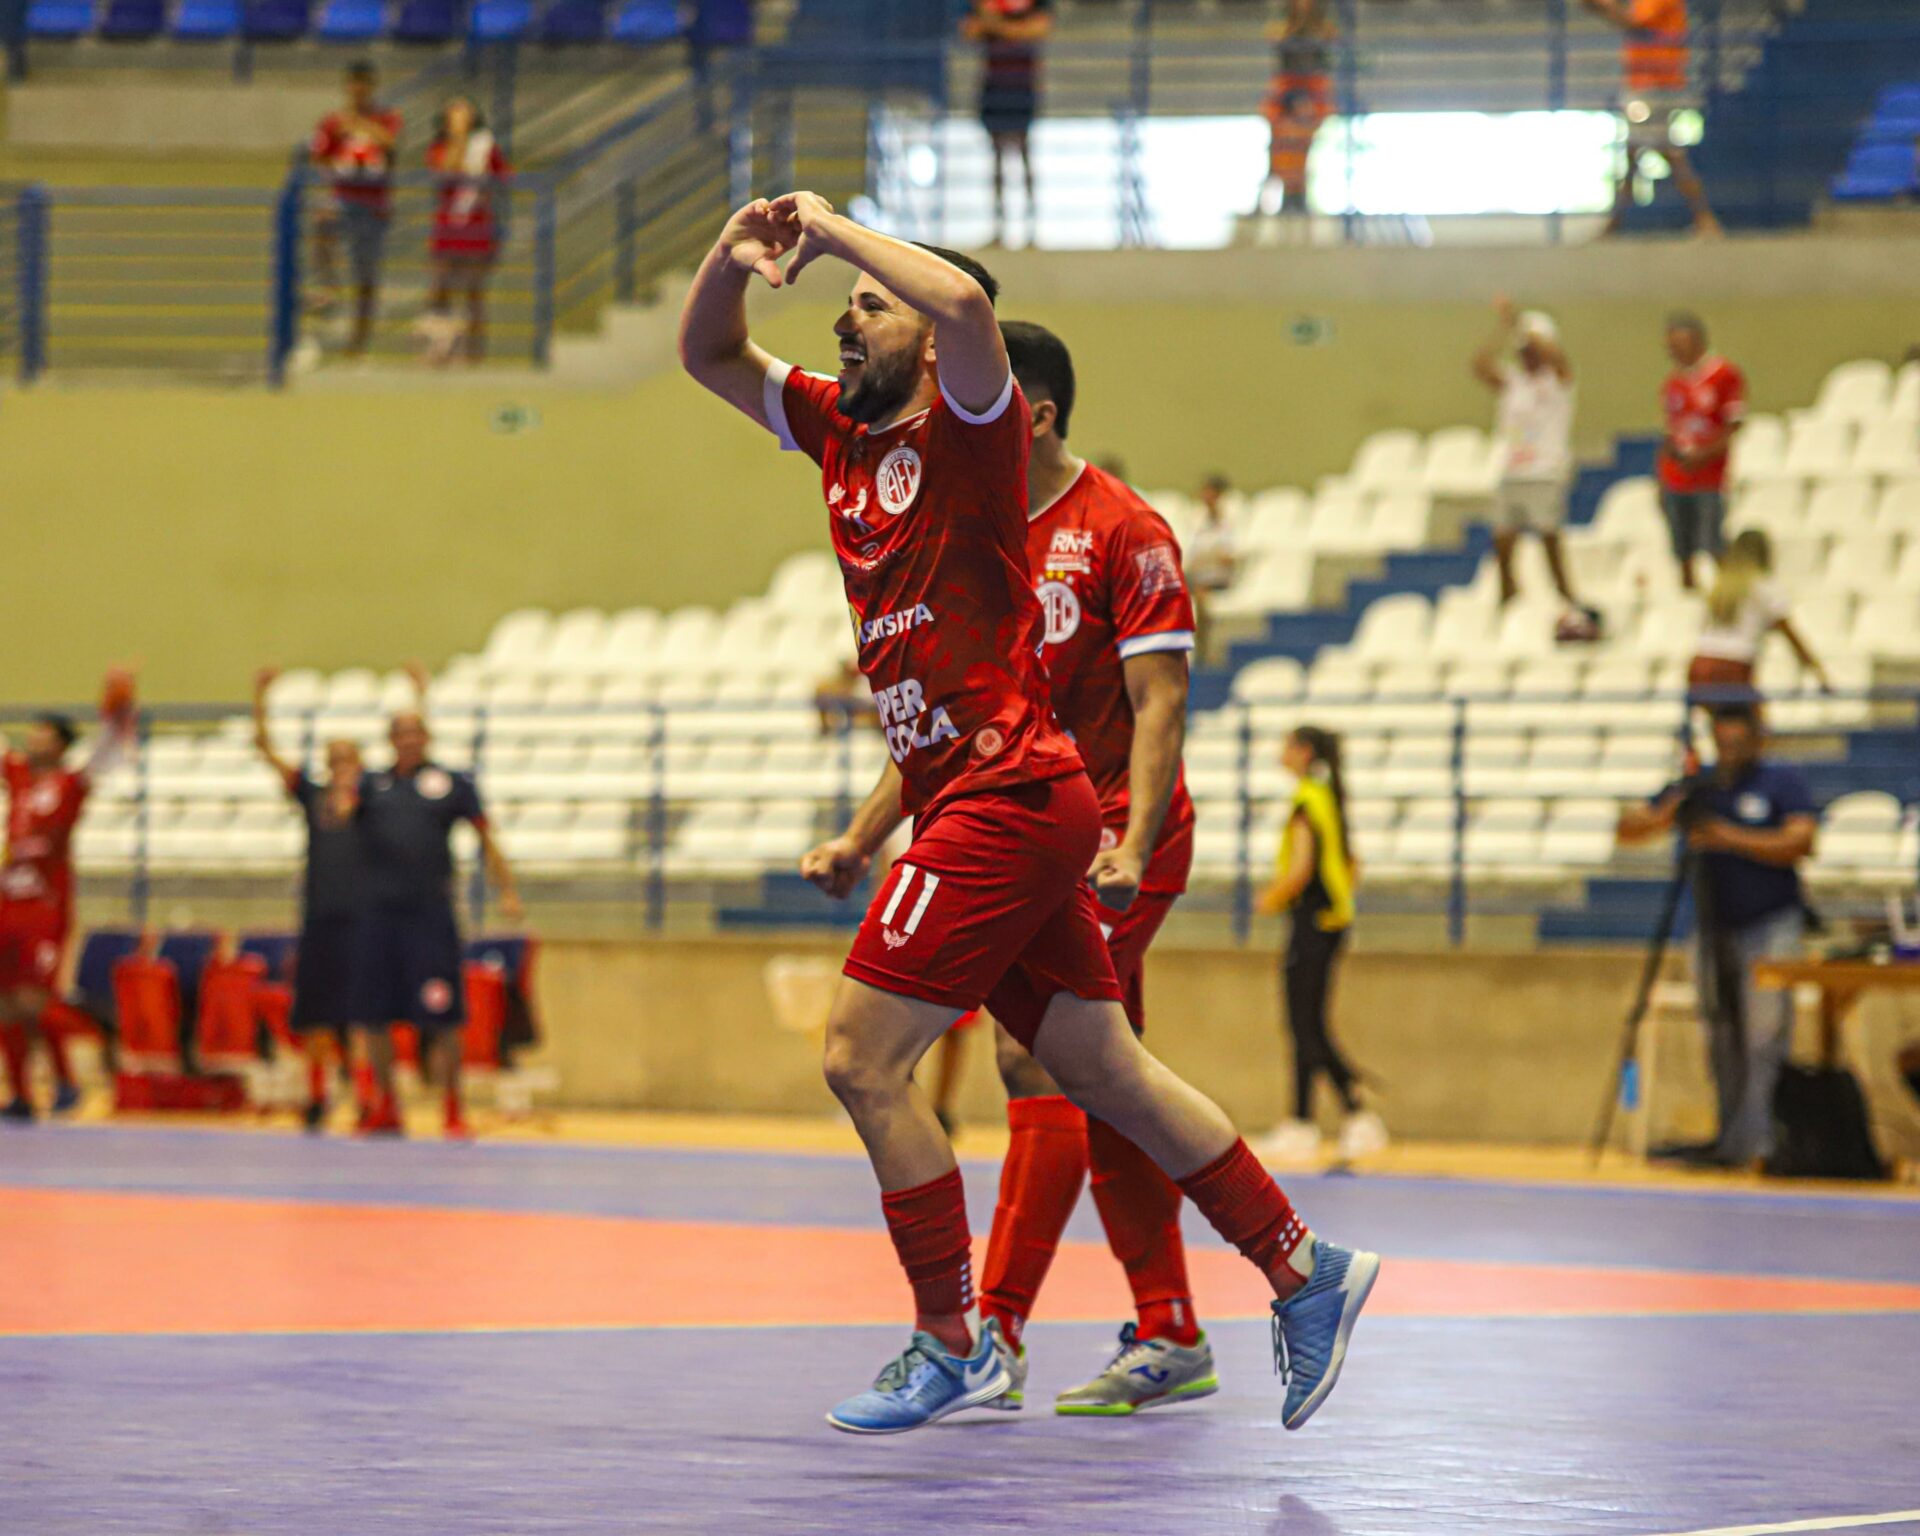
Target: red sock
1039	1185
1250	1211
13	1046
1140	1208
454	1116
56	1050
928	1224
366	1092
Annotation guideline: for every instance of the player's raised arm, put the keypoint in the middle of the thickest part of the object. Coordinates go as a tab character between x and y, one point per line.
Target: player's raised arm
263	737
117	724
970	355
714	345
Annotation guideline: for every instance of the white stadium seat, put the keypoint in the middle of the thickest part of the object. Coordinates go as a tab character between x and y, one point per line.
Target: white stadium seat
1394	628
1629	512
1903	404
1817	447
578	643
1855	392
1759	448
1778	506
1270	679
1387	461
1461	463
1888	448
1402	520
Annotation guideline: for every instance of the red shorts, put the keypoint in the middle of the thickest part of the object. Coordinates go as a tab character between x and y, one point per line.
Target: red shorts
989	904
33	936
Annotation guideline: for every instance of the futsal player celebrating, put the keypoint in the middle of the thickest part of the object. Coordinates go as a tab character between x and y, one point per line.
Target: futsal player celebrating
923	444
406	953
44	802
330	898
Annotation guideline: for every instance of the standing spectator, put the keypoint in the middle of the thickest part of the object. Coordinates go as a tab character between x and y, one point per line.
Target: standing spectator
354	147
1743	607
1012	31
1534	434
1212	558
44	801
1704	400
1749	823
407	960
1299	99
466	238
331	895
1653	64
1314	881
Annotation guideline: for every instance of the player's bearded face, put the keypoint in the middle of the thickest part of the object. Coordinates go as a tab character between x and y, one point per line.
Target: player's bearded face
881	352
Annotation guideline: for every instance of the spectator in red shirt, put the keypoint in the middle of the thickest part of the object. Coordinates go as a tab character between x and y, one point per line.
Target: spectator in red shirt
466	237
1703	400
354	148
1012	32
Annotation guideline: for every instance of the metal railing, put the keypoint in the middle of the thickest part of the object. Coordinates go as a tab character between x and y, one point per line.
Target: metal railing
674	795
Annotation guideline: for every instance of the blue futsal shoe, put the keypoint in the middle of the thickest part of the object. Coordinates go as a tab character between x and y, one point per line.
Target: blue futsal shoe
925	1384
1312	1326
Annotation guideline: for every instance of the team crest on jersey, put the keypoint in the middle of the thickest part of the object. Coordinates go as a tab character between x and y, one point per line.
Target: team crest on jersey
1061	605
44	798
1159	568
898	478
987	741
433	783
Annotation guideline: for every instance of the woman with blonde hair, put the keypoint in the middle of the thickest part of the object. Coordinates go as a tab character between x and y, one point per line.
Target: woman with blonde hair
1743	607
1314	880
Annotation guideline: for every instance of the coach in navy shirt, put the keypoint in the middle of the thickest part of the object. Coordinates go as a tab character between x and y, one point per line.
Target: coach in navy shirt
407	961
1754	822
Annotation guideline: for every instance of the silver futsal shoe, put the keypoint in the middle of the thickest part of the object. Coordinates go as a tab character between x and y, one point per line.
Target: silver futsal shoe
1015	1360
1144	1373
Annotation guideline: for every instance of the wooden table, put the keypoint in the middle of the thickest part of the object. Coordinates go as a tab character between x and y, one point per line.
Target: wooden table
1841	984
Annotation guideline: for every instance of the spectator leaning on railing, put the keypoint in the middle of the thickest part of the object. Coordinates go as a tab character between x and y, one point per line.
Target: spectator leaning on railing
1653	67
1750	823
354	147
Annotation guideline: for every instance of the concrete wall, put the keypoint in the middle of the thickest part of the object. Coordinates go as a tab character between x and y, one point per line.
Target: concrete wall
1465	1047
205	531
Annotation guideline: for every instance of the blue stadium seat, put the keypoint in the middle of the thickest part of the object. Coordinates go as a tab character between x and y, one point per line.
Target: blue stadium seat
276	21
427	21
722	23
574	21
101	951
500	21
351	21
59	18
206	20
276	949
1875	172
640	22
133	21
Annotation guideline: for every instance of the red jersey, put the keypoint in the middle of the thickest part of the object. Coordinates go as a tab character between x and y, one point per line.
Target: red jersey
1110	586
1700	402
41	812
929	521
359	164
463	223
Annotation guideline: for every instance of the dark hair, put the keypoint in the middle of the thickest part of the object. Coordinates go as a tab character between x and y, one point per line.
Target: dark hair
1687	320
1041	361
1325	747
968	265
61	726
1740	711
1217	482
362	69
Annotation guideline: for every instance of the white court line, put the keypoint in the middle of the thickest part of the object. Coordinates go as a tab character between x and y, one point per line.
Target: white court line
1824	1523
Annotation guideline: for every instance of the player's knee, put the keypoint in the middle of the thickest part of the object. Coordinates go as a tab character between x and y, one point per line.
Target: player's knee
1023	1077
858	1077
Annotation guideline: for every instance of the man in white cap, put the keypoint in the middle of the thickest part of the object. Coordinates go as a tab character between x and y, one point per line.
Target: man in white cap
1525	366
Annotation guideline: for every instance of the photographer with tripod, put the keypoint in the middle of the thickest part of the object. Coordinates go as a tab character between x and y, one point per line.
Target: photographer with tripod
1747	824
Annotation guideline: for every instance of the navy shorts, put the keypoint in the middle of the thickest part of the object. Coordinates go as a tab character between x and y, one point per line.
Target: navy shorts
1695	522
407	968
323	972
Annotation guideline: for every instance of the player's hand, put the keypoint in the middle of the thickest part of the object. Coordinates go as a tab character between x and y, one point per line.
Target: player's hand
804	212
1269	902
836	866
1116	874
756	238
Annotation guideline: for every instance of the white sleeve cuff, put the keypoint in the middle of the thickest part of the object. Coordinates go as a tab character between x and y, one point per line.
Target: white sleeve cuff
1166	640
992	412
773	400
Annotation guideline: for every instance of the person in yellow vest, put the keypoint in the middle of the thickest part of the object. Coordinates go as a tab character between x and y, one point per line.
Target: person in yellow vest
1654	58
1314	880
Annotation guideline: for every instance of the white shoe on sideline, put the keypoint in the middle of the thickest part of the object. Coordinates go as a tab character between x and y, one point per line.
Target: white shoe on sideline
1290	1144
1362	1134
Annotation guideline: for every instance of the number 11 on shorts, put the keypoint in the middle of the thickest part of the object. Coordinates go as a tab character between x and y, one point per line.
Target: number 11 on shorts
929	883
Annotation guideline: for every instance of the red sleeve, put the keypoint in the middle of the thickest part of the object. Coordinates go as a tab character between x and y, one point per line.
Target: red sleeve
497	164
73	798
1152	610
800	409
326	139
16	770
1733	395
